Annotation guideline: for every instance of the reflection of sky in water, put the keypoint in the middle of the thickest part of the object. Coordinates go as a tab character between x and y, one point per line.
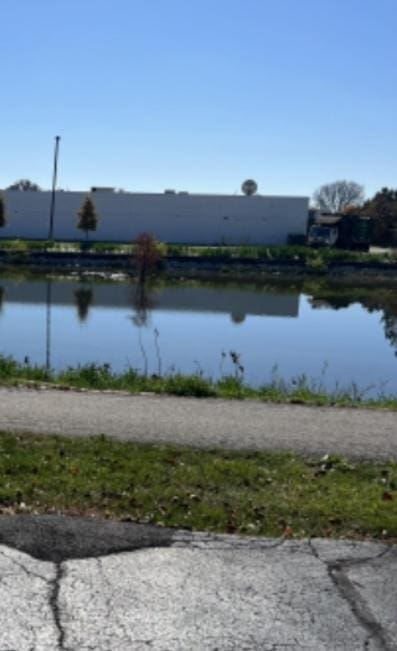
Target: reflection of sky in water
350	341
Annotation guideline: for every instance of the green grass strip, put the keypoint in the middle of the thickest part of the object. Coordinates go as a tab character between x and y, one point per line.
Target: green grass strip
300	390
267	494
310	257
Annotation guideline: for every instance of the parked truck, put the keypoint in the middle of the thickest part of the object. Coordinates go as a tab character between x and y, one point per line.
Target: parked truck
340	231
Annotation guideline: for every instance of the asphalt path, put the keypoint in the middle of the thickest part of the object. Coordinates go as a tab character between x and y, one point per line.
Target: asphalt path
199	422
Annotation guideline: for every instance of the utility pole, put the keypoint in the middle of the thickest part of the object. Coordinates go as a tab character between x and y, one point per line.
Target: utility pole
54	183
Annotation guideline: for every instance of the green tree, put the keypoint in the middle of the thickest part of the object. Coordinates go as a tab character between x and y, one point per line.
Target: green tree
24	185
87	217
3	219
383	209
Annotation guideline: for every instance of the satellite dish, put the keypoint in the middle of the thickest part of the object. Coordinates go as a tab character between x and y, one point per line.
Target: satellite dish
249	187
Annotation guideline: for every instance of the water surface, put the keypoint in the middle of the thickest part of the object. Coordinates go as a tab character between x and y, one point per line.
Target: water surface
334	336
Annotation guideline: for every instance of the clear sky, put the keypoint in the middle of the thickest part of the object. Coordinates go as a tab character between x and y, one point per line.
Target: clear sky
199	94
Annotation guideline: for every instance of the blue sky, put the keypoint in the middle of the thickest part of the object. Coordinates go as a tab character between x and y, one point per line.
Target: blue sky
200	94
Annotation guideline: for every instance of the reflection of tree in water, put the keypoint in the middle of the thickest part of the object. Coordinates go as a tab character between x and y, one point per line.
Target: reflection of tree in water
2	296
237	317
390	326
388	305
143	302
380	301
83	299
331	302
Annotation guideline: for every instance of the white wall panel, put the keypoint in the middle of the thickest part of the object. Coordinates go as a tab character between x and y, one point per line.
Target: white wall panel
195	219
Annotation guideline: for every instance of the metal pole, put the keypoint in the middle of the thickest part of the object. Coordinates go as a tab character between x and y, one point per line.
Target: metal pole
54	182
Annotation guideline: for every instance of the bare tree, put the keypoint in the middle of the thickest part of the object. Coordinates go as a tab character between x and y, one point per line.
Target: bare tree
147	254
336	197
23	185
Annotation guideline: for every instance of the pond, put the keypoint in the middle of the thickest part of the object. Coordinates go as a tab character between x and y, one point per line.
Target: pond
334	335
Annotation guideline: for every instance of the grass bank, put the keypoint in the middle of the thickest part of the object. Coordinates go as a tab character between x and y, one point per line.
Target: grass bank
267	494
308	256
312	258
301	390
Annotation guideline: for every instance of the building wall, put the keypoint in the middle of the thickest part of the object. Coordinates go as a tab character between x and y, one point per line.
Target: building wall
179	218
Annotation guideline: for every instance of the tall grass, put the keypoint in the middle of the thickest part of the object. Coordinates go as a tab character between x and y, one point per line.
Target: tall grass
301	390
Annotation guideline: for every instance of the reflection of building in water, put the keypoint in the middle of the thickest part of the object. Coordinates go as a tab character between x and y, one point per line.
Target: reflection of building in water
239	303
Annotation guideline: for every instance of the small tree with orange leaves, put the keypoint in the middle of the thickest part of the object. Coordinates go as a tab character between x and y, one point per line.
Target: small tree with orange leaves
147	254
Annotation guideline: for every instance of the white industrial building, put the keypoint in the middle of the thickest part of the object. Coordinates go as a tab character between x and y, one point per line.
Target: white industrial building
177	217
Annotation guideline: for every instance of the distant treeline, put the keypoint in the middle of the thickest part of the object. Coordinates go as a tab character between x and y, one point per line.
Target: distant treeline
383	209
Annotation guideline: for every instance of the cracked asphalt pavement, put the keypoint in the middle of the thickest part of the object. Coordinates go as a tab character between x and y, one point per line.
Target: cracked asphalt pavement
165	590
214	423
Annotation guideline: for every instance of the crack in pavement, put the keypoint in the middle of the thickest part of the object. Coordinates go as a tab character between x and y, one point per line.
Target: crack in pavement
54	604
222	542
337	572
20	565
368	642
23	567
358	606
